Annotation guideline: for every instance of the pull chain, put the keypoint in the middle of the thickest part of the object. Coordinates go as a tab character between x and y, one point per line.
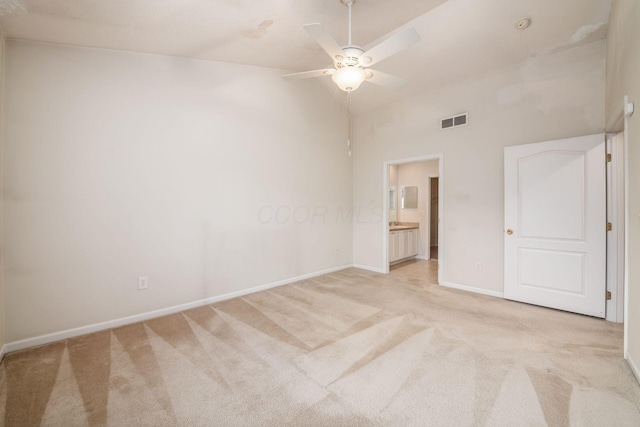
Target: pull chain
349	126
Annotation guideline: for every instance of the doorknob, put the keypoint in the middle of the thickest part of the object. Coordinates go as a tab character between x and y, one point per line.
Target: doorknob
509	231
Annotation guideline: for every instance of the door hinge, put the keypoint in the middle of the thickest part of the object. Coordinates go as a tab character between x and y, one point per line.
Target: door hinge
609	226
608	295
608	157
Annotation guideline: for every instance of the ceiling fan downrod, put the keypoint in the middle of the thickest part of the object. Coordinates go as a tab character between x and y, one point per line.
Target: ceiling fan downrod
349	3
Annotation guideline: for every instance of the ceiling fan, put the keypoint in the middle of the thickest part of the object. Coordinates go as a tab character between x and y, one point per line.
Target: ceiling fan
351	62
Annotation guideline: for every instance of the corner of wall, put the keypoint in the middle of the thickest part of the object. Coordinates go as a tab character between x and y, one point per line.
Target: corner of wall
2	346
634	367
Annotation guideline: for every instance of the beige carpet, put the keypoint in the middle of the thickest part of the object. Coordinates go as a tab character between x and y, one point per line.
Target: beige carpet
345	349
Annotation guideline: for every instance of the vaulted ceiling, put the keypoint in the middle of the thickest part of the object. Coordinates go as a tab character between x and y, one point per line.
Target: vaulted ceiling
460	39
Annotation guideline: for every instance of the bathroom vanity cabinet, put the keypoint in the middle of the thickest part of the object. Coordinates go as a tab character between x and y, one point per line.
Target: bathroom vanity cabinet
403	243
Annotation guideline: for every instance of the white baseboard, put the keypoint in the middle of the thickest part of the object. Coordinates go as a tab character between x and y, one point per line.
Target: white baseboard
424	257
634	367
473	289
110	324
368	268
3	351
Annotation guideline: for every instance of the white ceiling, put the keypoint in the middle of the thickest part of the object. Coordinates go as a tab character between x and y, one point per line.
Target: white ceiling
460	38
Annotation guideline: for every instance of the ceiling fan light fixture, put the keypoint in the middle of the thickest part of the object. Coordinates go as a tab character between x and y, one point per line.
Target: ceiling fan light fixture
349	78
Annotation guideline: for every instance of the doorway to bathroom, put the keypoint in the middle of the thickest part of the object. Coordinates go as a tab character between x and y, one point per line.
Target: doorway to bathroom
413	210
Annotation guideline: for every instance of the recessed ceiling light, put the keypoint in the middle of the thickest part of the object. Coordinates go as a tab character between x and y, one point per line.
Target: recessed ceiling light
523	23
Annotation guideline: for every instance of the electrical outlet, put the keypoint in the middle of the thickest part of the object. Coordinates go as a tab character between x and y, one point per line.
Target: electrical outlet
478	266
143	282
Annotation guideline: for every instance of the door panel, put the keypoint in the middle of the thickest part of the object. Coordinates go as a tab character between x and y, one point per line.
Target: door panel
551	195
555	208
404	244
394	248
563	272
414	242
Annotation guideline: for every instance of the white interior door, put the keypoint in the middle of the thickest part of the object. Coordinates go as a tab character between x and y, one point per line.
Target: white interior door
555	224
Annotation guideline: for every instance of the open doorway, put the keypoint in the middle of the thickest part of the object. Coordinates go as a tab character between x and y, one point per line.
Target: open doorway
413	210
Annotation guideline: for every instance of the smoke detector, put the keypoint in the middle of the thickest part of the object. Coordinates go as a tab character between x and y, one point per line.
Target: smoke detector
523	23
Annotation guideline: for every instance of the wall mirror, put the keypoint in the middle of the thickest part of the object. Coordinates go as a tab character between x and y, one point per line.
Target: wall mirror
410	197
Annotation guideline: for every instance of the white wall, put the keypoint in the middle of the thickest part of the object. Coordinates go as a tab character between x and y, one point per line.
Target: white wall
623	78
206	177
417	174
547	97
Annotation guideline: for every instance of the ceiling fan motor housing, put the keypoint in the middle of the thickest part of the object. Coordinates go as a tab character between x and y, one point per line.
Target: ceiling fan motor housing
351	57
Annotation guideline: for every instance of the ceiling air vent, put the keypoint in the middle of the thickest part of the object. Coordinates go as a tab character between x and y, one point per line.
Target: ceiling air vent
455	121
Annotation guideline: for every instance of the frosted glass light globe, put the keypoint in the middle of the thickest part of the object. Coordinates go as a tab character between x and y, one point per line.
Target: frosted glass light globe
349	78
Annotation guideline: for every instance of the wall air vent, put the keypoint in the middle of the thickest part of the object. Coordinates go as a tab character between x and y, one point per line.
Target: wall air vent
455	121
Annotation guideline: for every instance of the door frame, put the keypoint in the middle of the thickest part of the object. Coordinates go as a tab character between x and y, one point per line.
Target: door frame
385	208
616	215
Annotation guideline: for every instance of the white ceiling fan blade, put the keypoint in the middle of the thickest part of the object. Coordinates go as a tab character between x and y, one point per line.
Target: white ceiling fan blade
385	80
309	74
390	46
325	40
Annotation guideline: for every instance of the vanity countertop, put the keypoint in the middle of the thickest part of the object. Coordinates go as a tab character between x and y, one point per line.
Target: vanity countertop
404	226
